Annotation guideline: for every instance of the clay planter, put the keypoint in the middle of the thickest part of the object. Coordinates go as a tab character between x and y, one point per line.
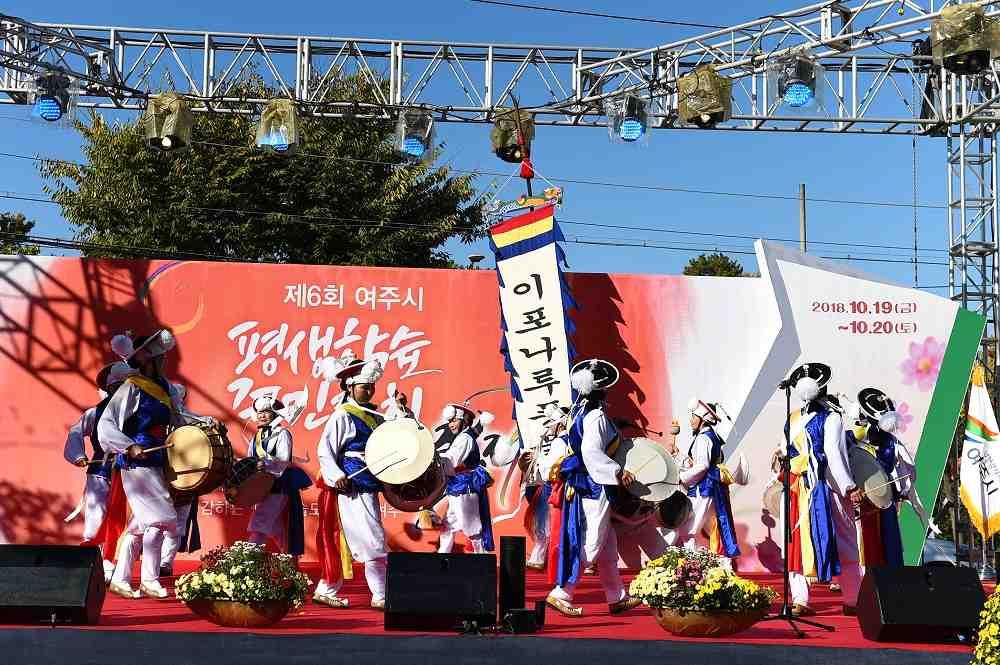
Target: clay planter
235	614
706	624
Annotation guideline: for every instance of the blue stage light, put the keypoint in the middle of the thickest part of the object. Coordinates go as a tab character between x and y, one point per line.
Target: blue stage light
47	108
631	130
274	139
414	147
798	95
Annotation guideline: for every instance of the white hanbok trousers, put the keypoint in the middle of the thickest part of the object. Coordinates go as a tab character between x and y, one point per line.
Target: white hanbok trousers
600	548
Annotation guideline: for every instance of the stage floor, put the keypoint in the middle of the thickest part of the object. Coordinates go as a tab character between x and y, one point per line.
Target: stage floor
635	632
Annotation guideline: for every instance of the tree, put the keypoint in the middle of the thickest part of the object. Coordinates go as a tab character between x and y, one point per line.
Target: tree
717	265
14	229
346	197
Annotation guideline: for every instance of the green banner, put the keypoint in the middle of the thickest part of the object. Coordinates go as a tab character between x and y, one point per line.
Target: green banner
942	418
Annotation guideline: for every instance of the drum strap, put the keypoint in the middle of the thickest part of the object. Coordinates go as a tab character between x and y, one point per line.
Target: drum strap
367	418
152	389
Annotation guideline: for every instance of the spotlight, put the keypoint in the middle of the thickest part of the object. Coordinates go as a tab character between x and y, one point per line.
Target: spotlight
794	78
511	136
627	119
962	39
167	122
704	97
415	134
53	96
277	130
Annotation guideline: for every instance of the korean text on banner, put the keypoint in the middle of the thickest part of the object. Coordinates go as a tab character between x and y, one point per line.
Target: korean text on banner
980	477
534	301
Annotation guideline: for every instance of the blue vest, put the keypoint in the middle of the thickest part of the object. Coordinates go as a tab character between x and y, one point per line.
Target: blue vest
148	427
364	482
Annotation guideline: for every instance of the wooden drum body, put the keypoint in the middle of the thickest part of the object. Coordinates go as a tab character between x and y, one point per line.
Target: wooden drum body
246	485
401	454
198	459
417	494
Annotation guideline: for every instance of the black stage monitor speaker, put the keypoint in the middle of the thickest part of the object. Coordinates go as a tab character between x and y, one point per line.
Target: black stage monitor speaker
511	573
919	603
440	591
50	584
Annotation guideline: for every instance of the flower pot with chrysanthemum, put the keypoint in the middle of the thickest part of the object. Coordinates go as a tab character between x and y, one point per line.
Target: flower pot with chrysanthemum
988	643
695	594
243	586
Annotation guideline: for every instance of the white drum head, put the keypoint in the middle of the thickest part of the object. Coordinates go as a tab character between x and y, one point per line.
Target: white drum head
398	451
656	473
773	498
869	476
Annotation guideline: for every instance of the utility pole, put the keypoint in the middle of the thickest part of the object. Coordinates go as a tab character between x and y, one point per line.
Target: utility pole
802	217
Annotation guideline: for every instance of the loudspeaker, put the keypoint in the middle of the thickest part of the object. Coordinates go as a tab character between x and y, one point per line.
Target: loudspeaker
919	603
440	591
51	584
511	573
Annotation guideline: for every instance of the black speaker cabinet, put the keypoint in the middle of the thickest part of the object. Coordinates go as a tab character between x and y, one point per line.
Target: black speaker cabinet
919	603
440	591
512	551
50	584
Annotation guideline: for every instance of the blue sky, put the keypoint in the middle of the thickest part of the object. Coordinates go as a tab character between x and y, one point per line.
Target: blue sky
851	167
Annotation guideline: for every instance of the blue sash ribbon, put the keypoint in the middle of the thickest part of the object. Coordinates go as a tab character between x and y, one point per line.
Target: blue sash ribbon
712	486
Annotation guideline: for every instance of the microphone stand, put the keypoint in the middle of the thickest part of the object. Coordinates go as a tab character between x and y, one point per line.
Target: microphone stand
785	614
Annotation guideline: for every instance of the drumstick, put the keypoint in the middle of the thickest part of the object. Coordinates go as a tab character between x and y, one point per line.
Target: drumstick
153	450
878	487
366	468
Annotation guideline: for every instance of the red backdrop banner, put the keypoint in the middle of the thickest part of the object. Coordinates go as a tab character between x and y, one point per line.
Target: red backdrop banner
244	330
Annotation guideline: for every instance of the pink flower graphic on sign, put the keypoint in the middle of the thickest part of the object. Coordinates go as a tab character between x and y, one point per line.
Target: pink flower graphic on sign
905	417
924	364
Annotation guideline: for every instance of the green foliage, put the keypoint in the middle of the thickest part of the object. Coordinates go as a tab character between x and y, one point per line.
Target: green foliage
346	197
14	228
714	265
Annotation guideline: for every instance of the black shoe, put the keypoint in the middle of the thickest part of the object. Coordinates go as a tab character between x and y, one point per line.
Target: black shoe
166	571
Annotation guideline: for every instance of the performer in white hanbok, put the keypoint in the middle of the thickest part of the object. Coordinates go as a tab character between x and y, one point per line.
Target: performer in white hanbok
468	483
341	454
279	514
701	474
824	536
97	488
874	423
535	465
584	477
137	418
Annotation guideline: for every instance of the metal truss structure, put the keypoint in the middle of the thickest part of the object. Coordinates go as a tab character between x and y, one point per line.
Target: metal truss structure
878	78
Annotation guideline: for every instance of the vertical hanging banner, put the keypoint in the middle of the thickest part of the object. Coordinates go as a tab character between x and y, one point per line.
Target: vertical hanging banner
980	476
534	307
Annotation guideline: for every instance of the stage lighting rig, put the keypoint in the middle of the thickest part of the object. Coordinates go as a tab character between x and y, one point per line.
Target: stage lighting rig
277	130
415	133
963	38
627	119
796	80
167	122
704	97
512	134
54	96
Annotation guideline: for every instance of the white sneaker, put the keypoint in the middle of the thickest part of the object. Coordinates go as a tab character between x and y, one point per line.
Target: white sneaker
123	589
153	589
109	570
